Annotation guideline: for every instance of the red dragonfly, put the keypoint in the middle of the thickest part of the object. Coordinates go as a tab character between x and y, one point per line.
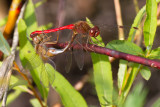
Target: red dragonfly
45	53
80	31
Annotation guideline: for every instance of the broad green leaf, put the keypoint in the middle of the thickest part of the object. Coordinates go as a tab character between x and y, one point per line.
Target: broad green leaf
69	96
125	46
3	21
146	73
102	74
155	54
35	102
4	46
150	23
136	23
137	97
122	72
30	17
26	52
156	103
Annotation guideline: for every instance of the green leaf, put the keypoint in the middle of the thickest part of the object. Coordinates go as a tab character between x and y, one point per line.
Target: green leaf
102	73
4	46
16	82
69	96
48	26
3	21
99	42
137	97
35	102
150	23
155	54
128	80
156	103
122	72
40	3
136	23
13	96
146	73
125	46
30	17
26	52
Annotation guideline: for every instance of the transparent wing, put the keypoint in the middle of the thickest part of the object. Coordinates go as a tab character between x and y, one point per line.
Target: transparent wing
79	53
68	60
44	76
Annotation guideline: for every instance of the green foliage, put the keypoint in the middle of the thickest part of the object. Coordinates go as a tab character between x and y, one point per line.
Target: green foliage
137	97
155	54
125	46
150	24
146	73
156	103
69	96
102	74
4	46
103	80
3	21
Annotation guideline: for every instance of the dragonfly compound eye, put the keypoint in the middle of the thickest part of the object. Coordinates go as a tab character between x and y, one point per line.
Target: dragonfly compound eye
94	32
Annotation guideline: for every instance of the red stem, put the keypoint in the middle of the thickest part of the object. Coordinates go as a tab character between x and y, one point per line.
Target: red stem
115	54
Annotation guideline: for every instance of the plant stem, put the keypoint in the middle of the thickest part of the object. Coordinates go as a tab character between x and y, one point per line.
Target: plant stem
30	84
119	19
112	53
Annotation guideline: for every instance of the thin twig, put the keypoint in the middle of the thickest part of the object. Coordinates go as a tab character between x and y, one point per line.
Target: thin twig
113	53
119	19
30	84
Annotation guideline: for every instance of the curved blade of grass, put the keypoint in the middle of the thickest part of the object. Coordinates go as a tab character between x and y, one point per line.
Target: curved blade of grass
156	103
4	46
129	79
25	53
150	24
136	23
102	74
69	96
122	72
137	97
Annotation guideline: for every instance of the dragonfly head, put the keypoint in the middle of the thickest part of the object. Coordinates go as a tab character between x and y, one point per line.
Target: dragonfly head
94	32
37	39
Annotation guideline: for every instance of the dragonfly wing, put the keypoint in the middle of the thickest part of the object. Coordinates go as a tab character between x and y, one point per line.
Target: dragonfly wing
44	76
79	53
50	72
34	61
68	60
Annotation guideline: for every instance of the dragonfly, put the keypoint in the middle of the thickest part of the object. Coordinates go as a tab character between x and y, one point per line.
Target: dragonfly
81	33
40	42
